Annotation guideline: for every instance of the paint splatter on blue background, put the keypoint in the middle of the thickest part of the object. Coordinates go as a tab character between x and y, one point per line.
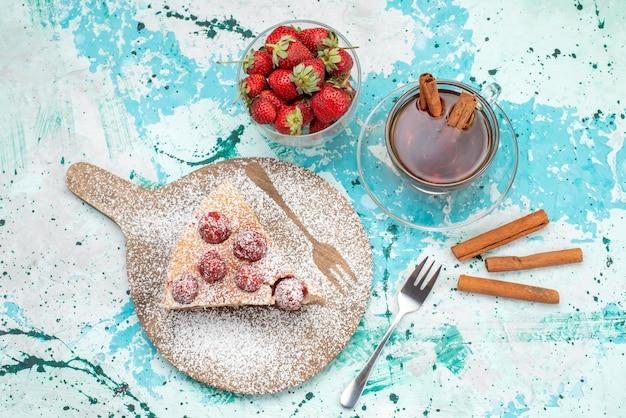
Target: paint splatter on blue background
575	184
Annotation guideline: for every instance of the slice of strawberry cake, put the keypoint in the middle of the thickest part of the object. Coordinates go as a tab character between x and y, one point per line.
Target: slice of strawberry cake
224	257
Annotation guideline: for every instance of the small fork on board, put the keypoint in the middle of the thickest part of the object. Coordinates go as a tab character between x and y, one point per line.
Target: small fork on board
410	298
326	257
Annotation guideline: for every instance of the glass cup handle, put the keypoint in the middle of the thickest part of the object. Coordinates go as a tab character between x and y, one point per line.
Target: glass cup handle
491	92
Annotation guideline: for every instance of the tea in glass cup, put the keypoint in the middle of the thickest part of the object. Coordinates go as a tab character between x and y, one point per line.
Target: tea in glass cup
432	156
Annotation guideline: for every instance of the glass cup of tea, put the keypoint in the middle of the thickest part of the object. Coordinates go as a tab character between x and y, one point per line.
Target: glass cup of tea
433	157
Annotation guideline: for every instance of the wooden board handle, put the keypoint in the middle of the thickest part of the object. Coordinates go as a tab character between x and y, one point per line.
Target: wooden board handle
106	192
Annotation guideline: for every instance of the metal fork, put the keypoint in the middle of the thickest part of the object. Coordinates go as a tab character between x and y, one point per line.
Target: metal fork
410	298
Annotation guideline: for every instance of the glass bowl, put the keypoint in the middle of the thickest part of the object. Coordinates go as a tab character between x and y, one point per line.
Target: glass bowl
306	139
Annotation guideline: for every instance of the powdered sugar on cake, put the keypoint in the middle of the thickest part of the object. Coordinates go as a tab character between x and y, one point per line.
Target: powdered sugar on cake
242	264
236	348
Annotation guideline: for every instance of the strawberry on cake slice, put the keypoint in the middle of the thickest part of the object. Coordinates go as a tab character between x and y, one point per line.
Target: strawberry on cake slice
224	257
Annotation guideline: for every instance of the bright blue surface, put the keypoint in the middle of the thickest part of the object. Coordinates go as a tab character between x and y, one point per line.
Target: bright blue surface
133	87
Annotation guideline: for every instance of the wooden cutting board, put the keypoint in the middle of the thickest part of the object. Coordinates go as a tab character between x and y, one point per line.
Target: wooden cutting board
255	350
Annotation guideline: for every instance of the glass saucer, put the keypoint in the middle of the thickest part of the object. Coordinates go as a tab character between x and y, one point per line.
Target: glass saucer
424	211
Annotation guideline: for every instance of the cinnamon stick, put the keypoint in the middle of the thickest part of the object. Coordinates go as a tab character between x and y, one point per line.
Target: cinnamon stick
422	98
501	235
461	114
429	95
507	289
546	259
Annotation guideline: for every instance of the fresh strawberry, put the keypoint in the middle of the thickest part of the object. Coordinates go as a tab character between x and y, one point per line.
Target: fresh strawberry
273	98
346	83
337	61
262	111
317	125
288	52
289	120
331	101
309	75
318	37
280	82
256	62
252	86
276	34
304	104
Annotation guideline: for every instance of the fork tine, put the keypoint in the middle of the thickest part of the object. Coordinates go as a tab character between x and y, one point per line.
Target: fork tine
425	275
411	280
410	299
432	281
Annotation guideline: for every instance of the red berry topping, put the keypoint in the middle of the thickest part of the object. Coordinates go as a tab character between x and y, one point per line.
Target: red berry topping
211	267
214	227
184	288
289	294
250	245
248	278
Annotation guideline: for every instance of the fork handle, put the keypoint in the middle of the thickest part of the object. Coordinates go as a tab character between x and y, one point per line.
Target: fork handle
352	393
257	174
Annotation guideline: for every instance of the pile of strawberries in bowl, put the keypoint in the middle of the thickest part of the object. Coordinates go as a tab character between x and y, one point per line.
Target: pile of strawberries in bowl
299	81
